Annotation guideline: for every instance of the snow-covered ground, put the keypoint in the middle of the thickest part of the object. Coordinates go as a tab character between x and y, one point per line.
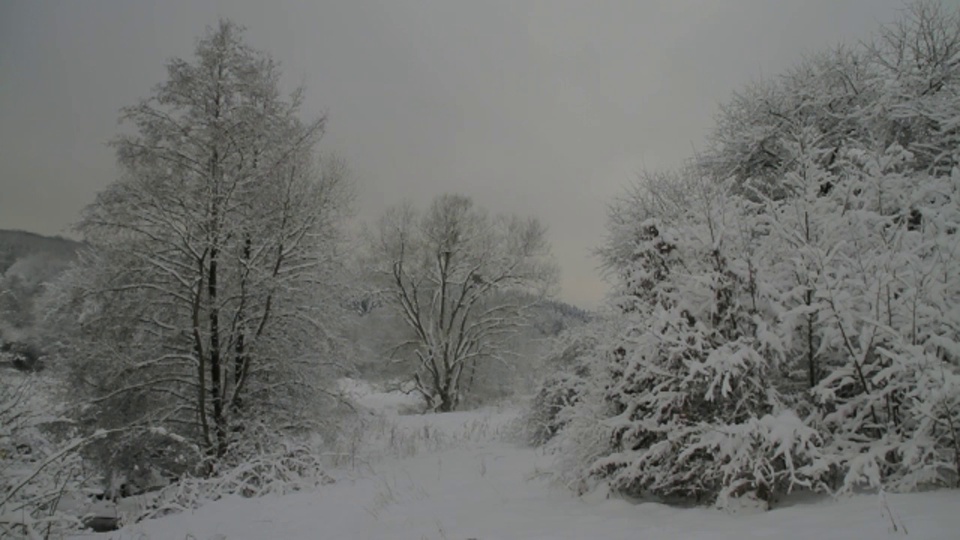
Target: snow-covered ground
452	476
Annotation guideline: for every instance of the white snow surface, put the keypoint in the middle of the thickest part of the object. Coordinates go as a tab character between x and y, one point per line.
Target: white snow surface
454	477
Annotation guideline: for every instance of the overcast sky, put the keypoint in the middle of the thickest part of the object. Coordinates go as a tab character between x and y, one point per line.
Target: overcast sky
545	108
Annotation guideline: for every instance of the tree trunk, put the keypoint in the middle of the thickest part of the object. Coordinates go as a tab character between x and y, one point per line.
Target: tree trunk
811	352
201	363
216	369
240	358
472	376
446	401
808	300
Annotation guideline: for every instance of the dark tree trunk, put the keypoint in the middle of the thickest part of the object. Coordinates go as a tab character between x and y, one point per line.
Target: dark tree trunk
472	376
446	402
216	369
201	361
808	300
811	353
240	353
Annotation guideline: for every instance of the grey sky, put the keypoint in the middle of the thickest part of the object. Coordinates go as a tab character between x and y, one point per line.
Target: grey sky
543	107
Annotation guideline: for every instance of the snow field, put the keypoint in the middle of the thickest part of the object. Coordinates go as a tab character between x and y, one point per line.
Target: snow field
454	477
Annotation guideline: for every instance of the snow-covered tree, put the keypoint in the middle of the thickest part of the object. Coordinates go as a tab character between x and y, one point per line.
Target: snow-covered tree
787	302
462	281
887	286
207	298
692	386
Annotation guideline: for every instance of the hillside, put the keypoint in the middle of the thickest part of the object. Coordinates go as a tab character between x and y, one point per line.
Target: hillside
16	245
27	262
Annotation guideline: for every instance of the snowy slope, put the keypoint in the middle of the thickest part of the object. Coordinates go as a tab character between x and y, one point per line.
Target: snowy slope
457	481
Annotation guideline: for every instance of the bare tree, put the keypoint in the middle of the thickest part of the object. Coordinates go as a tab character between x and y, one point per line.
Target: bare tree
462	281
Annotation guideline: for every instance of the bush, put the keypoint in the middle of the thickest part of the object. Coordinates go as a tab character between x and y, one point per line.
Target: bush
265	463
563	387
23	356
542	419
141	460
37	469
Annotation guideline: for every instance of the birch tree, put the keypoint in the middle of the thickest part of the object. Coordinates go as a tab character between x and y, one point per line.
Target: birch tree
452	273
206	300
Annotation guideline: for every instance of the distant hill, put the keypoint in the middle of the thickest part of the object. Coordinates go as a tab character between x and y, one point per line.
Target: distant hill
16	245
28	261
554	316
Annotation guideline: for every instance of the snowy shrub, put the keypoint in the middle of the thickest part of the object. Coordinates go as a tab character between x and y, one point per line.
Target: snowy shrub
899	431
541	421
585	440
764	457
264	465
567	369
691	387
136	460
888	291
38	468
697	411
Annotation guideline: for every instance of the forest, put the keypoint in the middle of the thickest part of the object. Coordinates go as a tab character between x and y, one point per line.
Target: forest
782	318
